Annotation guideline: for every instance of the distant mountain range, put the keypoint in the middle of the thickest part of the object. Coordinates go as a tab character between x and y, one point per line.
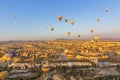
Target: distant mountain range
9	41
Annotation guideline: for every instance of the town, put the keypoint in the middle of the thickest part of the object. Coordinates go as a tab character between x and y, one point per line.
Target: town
61	60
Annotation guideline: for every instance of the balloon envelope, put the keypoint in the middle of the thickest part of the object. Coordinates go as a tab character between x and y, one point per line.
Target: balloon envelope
72	21
52	29
45	68
96	38
11	54
66	51
98	20
59	18
92	31
107	10
70	57
68	33
14	16
66	20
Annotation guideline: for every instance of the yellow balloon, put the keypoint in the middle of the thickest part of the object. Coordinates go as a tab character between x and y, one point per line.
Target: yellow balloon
66	51
96	37
72	21
68	33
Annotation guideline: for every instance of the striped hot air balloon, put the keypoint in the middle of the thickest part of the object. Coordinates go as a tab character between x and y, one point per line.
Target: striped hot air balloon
45	68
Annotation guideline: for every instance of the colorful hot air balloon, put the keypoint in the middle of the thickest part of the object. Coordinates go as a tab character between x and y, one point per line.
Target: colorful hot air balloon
78	36
66	20
107	9
52	29
98	20
92	31
60	18
4	75
45	68
72	21
68	33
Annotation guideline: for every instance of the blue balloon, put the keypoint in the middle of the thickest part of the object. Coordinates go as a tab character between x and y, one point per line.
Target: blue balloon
11	54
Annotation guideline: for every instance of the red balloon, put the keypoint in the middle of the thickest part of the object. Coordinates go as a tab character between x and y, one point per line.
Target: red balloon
59	18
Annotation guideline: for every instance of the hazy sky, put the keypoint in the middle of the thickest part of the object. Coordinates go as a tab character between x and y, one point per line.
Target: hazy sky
32	17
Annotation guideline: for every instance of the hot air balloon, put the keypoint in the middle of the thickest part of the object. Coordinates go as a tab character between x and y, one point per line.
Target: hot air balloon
92	31
78	36
11	53
98	20
68	33
45	68
96	38
14	16
66	20
107	9
66	51
52	29
79	57
70	56
72	21
70	64
59	18
4	75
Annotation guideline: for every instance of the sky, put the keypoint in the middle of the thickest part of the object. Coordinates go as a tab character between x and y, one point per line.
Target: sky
34	18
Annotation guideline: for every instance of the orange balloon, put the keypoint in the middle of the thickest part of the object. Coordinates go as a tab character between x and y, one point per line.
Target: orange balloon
70	57
59	18
45	68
